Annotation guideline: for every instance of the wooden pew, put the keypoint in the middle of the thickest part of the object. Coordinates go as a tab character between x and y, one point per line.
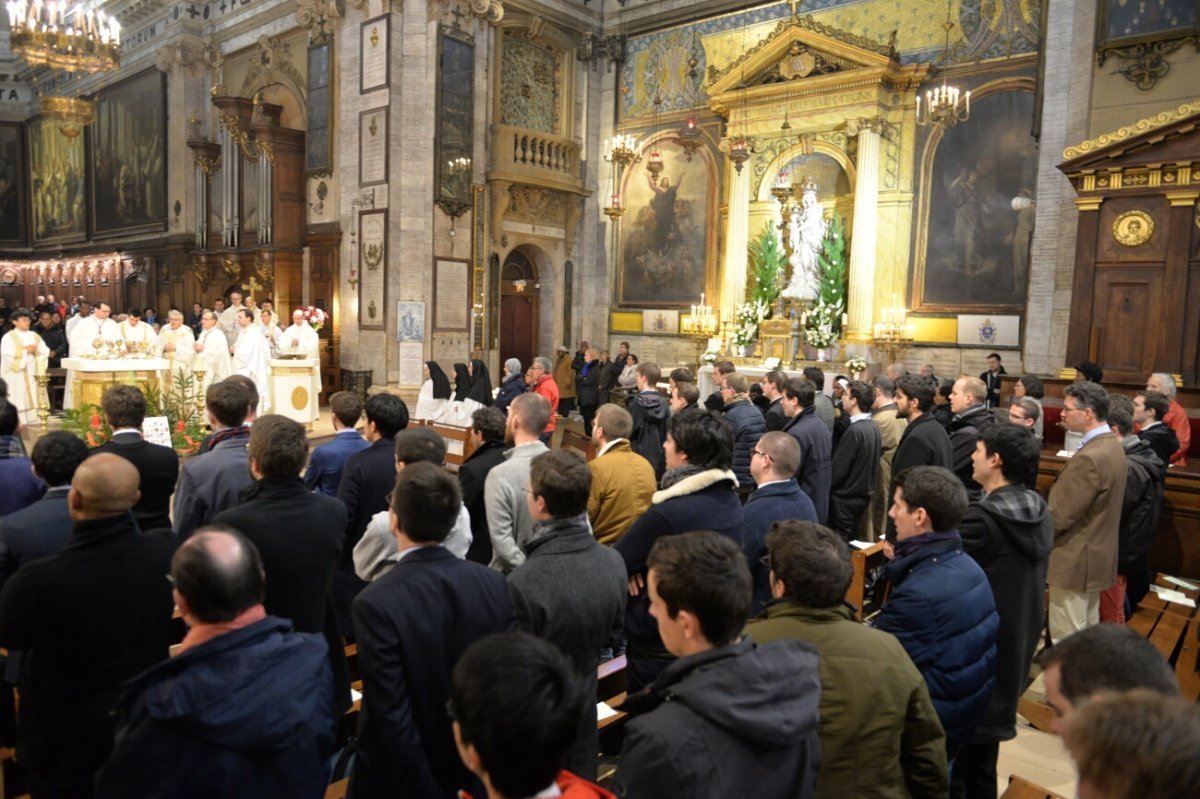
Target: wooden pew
864	561
1021	788
1186	662
578	442
458	444
338	789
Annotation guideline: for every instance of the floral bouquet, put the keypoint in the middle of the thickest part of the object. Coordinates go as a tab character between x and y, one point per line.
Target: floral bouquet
821	330
314	316
748	316
856	366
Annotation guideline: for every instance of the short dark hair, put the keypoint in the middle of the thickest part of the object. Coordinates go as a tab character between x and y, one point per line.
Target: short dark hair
57	455
426	501
688	392
650	371
388	413
945	387
8	418
563	479
1089	396
682	375
812	561
776	378
705	574
703	436
246	312
278	446
725	367
1091	371
1030	406
228	402
815	376
1017	448
134	312
517	700
251	391
1159	403
488	422
995	355
1107	657
863	394
801	390
917	389
217	592
347	407
533	410
1120	414
420	445
885	385
1033	386
938	491
124	406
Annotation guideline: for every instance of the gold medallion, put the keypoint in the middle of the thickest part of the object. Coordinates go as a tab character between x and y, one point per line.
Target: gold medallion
1133	228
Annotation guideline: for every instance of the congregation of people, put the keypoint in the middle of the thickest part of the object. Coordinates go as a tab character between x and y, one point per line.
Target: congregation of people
707	541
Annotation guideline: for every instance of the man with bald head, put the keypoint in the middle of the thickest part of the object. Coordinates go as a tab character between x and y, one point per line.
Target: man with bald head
774	461
972	418
283	714
93	616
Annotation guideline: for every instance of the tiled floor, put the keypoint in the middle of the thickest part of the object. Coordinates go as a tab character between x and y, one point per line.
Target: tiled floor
1038	757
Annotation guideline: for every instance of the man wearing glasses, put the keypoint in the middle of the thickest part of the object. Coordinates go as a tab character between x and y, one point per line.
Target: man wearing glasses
1025	412
1085	504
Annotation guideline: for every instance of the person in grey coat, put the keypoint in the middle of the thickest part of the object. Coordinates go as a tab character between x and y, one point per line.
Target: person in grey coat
822	403
509	521
571	589
214	481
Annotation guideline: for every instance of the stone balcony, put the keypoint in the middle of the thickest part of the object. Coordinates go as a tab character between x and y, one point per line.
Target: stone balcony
533	158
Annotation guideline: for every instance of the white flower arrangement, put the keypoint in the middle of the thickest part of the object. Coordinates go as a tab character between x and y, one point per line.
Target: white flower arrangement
748	316
821	330
856	365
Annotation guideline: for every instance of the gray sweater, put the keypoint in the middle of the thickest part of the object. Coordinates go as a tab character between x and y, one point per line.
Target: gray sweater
509	521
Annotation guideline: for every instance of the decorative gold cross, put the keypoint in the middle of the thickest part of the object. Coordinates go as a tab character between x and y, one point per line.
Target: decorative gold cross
252	287
795	4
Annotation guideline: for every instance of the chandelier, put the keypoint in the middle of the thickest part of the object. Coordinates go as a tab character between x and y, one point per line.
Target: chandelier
945	105
688	135
72	114
654	163
58	36
622	153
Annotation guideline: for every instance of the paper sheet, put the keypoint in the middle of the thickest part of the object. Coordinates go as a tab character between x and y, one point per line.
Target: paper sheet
861	544
603	711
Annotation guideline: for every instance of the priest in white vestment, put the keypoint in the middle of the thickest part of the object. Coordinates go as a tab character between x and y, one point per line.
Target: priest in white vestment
270	330
176	343
212	351
95	335
23	353
137	335
250	358
228	321
301	339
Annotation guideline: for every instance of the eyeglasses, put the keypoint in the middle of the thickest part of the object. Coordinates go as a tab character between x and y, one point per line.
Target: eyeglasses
1016	417
1067	409
759	453
765	560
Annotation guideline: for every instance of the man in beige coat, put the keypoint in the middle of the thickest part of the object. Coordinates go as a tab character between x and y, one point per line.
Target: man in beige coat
891	427
622	480
1085	504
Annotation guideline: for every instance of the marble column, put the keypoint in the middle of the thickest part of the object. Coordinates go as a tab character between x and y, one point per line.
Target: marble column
866	213
737	238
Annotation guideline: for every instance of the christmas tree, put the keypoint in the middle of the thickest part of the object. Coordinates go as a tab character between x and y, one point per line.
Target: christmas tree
767	262
825	318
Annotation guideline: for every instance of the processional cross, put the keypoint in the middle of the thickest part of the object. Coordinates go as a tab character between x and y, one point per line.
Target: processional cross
252	287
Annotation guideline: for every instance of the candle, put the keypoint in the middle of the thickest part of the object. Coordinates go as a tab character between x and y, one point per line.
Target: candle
845	320
968	102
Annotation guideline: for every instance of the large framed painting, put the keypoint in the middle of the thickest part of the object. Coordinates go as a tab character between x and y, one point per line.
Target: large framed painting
1121	23
12	184
129	156
454	141
57	181
668	238
976	206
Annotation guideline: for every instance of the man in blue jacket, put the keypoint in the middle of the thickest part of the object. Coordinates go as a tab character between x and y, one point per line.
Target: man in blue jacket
324	472
815	440
244	708
941	608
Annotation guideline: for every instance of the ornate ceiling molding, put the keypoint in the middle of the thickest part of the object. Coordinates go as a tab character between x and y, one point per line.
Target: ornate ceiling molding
1159	120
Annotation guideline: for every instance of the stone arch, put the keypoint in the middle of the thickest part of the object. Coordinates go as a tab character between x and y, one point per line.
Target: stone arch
816	147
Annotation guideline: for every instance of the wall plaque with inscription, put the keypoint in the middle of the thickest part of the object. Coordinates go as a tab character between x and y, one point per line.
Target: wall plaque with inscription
373	147
373	66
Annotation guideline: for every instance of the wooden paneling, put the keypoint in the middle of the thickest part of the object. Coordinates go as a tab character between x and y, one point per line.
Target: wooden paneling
323	267
1124	298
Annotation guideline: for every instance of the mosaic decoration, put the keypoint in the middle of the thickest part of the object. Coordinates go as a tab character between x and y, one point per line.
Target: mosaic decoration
528	94
656	62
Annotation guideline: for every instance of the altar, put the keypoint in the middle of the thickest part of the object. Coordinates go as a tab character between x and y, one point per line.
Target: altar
91	377
755	374
292	382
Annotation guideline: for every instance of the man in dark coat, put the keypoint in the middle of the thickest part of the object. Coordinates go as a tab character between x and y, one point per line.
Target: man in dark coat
324	471
1140	512
1149	409
941	606
298	535
747	423
698	493
413	624
924	442
243	709
158	466
716	400
991	380
855	464
366	480
571	589
649	411
487	433
971	419
213	481
44	527
815	440
777	497
1009	534
92	616
772	386
729	718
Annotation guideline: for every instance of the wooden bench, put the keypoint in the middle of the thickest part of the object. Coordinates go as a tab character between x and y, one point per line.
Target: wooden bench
337	790
458	443
864	561
579	443
1019	788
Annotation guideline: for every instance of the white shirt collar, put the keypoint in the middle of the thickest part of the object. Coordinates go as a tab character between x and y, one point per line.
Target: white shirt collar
774	482
858	417
1148	426
120	430
609	446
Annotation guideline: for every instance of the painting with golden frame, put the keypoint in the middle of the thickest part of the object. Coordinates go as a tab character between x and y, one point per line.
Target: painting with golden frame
57	183
668	233
975	206
12	184
129	156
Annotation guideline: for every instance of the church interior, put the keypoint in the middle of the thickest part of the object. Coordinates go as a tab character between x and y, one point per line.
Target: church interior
780	184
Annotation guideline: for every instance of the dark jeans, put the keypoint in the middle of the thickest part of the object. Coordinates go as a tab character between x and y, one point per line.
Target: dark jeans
588	412
974	773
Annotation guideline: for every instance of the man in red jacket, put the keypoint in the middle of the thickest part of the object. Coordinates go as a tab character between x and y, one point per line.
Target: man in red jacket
515	704
1176	418
541	381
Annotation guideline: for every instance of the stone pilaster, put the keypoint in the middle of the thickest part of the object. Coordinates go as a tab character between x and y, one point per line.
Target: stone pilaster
866	212
737	237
